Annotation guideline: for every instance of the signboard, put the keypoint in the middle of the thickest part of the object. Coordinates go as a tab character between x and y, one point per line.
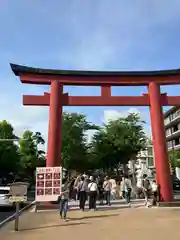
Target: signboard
18	199
48	183
18	192
18	189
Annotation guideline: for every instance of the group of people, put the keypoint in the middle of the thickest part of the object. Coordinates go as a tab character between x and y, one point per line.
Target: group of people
85	188
91	189
148	189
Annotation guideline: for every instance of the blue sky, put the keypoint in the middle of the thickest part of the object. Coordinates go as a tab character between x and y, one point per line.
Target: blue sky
89	35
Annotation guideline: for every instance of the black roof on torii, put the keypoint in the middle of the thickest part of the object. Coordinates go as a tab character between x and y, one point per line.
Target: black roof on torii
20	69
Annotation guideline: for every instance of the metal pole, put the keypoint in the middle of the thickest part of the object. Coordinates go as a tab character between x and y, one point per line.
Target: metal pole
16	225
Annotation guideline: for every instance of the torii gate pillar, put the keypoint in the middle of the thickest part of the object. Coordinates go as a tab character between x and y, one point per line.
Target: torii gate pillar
159	142
55	125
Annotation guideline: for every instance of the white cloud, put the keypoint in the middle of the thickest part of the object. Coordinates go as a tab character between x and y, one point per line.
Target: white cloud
114	114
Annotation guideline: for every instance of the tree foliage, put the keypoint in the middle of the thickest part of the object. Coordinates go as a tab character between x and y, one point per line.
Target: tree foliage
174	158
118	142
30	155
112	145
74	147
9	157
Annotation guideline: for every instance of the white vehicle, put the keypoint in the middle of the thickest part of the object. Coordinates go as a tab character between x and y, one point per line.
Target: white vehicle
4	197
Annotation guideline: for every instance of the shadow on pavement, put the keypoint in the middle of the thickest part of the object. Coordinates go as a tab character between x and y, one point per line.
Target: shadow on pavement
110	208
66	224
107	208
91	217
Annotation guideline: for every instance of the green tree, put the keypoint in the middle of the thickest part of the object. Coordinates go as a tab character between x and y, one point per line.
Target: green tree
9	157
174	158
30	155
118	142
74	141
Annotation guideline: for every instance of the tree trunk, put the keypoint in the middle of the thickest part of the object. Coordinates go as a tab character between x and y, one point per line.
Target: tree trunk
125	169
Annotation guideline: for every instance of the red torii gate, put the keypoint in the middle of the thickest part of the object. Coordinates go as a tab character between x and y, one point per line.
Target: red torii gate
56	99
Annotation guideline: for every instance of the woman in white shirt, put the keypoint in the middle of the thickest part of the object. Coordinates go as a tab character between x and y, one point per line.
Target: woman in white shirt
93	191
113	188
122	188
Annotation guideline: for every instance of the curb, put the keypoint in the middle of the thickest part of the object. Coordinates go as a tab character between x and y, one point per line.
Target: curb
10	218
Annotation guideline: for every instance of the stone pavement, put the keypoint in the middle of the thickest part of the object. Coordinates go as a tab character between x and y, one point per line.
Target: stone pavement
74	205
131	224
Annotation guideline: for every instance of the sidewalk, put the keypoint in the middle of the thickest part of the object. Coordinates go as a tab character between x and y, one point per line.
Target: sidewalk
131	224
74	205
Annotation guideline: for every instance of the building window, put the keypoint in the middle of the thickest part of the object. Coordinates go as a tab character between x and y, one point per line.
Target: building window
178	113
170	144
175	128
168	132
175	115
150	161
167	120
150	151
177	141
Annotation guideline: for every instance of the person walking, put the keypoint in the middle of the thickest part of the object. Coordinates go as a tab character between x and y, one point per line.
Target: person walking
154	187
127	190
146	189
82	189
76	183
100	189
63	201
122	188
139	187
93	192
113	188
107	190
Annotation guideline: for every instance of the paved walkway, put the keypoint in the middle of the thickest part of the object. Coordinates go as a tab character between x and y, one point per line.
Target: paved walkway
131	224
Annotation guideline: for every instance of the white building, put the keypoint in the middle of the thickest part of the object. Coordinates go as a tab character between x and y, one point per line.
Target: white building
144	163
146	157
172	128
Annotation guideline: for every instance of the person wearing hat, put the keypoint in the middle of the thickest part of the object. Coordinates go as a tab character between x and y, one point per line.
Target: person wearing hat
93	192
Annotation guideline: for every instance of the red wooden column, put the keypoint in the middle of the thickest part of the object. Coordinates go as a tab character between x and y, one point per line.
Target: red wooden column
55	125
159	142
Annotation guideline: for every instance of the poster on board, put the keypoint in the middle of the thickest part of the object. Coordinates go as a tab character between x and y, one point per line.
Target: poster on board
48	183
